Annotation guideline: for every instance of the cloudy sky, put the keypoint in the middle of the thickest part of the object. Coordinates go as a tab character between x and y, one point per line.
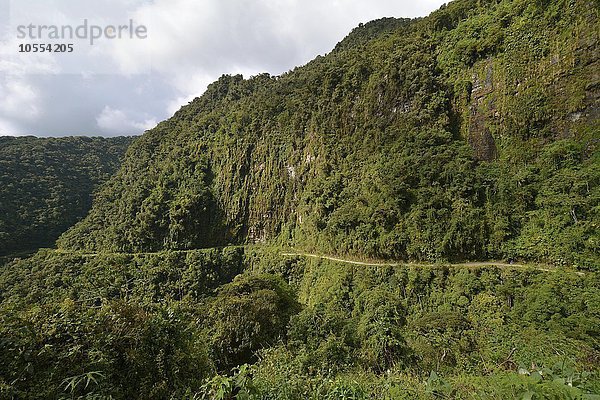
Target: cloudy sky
127	85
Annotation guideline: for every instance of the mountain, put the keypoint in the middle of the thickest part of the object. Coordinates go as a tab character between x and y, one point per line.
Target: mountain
469	134
252	246
253	323
46	185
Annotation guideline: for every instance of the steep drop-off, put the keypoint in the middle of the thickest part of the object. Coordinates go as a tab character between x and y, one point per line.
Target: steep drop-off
46	185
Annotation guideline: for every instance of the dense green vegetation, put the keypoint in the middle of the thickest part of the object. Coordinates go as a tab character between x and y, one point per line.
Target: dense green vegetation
178	325
46	185
470	134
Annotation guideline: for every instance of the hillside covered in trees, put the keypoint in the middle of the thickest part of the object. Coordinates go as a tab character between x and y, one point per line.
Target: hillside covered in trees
414	146
469	134
46	185
250	322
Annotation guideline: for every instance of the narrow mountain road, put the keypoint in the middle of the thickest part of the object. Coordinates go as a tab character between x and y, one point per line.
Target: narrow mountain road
473	264
390	264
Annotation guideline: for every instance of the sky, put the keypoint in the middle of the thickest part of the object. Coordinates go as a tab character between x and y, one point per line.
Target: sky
168	52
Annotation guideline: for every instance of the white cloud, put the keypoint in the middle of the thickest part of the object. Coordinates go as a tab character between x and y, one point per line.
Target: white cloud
116	122
7	128
191	43
125	86
175	104
18	100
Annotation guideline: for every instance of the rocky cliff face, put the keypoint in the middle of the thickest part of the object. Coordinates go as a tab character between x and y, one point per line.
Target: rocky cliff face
442	137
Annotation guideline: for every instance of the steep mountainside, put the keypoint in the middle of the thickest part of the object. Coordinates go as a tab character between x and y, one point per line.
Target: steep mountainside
152	326
470	134
46	185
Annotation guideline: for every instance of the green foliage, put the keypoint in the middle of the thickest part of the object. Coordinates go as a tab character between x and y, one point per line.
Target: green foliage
153	326
424	140
238	386
128	322
470	134
247	315
46	185
118	350
380	318
50	277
